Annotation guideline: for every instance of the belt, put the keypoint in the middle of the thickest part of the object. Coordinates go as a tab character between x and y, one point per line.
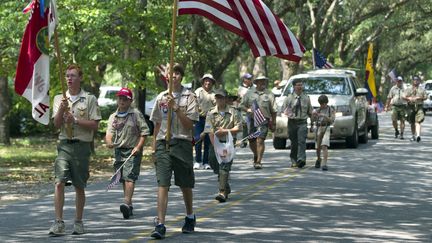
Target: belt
70	141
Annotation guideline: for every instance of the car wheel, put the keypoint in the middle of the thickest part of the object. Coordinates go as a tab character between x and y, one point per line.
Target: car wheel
352	141
375	131
364	137
279	143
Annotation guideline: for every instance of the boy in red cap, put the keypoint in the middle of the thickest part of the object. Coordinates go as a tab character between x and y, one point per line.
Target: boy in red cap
126	133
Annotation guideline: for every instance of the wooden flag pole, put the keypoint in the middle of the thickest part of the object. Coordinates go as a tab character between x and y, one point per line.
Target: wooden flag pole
171	71
62	79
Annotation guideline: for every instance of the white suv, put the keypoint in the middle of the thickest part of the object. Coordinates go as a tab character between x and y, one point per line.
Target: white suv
427	104
354	116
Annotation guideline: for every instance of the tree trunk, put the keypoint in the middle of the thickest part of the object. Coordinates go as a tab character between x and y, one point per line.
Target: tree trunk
5	105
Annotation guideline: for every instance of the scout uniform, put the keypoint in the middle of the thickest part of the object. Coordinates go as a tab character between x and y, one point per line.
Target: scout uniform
267	105
126	130
326	117
226	118
179	158
72	162
298	108
415	109
397	102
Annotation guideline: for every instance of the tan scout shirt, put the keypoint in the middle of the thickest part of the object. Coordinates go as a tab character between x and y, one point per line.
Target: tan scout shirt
416	92
396	96
85	107
289	106
127	130
265	100
206	100
226	118
187	103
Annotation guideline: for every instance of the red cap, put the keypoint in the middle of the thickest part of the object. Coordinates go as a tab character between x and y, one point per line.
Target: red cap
125	92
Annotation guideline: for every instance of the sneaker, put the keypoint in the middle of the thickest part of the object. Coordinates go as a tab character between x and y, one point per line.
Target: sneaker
293	164
221	198
396	133
301	164
189	225
413	139
158	232
57	228
418	139
257	166
206	167
68	183
401	137
197	166
78	228
324	167
318	163
125	210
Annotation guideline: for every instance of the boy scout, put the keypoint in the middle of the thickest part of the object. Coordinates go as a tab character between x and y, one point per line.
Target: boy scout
126	133
72	162
415	95
179	157
219	121
297	106
399	105
267	105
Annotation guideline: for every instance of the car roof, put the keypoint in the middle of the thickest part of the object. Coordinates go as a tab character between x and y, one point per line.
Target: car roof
326	73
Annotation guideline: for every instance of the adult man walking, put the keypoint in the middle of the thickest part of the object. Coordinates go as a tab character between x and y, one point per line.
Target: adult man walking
415	95
398	106
245	85
265	102
297	106
72	162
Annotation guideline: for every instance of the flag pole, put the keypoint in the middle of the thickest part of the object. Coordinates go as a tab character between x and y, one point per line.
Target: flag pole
171	71
62	79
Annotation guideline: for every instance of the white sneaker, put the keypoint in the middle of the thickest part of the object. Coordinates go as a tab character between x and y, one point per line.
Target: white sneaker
207	167
78	228
197	166
57	228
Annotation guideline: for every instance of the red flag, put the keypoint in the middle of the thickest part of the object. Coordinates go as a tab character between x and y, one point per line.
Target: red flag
32	74
265	32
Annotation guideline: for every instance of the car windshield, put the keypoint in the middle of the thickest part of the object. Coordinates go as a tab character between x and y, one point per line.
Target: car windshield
323	85
428	86
111	94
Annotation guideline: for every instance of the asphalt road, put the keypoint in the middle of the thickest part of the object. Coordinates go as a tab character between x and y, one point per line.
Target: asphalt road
379	192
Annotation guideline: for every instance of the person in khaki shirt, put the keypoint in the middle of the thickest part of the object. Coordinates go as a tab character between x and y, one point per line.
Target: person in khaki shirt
399	105
415	96
178	158
266	103
297	106
72	162
206	101
126	133
219	121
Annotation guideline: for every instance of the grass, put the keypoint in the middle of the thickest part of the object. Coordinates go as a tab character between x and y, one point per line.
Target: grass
31	160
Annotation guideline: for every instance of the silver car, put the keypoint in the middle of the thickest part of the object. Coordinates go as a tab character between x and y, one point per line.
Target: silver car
354	117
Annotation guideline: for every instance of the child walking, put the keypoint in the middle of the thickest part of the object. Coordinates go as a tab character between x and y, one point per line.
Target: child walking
323	117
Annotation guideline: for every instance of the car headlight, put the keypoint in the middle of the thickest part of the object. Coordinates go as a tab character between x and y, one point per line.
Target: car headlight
343	110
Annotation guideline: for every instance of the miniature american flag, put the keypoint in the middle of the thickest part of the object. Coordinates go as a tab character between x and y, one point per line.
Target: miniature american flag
257	114
115	179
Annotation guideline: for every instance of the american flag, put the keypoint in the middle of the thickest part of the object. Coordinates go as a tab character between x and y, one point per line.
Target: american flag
253	135
264	31
257	114
320	60
115	179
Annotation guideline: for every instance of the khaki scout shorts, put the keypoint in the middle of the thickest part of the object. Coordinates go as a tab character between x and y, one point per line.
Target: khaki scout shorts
415	115
263	128
72	163
131	169
398	113
325	138
178	159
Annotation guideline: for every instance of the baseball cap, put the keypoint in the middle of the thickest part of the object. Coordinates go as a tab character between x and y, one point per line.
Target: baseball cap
125	92
247	76
209	76
221	92
399	78
416	77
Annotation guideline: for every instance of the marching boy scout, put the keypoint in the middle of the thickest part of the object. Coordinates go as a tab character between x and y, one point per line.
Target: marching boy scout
179	157
399	106
266	103
72	162
415	96
297	106
219	121
126	133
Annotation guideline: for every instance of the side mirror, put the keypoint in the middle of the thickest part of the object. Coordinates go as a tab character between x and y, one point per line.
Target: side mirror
361	91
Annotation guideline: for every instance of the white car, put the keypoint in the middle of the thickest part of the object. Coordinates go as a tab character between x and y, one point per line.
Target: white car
354	116
427	104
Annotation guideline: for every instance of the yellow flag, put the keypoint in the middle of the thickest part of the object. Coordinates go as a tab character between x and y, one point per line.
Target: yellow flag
370	77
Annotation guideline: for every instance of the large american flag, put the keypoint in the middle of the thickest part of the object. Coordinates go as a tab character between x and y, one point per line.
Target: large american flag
257	114
265	32
320	60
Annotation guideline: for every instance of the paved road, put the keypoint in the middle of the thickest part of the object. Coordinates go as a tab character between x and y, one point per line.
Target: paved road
379	192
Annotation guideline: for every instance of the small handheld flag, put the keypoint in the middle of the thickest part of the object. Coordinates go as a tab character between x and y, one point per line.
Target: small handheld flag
250	136
257	114
115	179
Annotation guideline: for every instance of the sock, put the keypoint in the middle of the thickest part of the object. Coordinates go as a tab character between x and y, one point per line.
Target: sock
191	216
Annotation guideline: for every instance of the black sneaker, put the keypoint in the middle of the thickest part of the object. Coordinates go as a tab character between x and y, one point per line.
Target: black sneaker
418	139
158	232
324	167
189	225
401	136
125	210
396	133
301	164
318	163
221	198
